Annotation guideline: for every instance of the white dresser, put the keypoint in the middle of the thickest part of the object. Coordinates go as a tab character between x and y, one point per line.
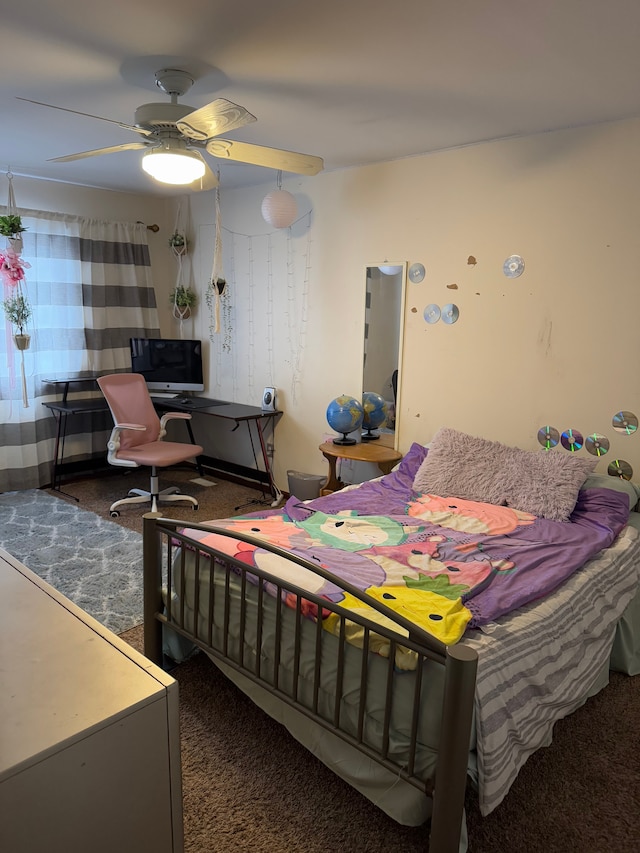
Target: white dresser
89	731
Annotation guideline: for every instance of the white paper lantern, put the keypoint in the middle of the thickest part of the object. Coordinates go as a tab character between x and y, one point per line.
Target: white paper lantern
389	270
279	208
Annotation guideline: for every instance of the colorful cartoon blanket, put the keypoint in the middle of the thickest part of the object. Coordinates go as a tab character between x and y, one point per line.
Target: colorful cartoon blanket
445	564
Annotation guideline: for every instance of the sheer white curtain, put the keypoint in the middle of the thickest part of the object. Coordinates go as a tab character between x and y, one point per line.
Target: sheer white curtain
90	289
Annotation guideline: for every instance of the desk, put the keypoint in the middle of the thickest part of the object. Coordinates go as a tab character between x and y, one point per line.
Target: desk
236	412
61	410
239	413
380	452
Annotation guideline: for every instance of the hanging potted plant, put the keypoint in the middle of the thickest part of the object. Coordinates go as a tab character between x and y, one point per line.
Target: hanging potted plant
183	300
18	311
217	295
178	243
11	226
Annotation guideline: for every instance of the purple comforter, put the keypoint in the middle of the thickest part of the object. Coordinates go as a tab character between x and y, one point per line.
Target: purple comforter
545	552
434	559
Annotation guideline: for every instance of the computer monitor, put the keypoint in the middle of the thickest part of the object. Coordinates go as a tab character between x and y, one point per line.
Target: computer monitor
168	364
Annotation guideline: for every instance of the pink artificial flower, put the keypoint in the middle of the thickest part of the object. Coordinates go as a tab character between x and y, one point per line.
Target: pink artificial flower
12	267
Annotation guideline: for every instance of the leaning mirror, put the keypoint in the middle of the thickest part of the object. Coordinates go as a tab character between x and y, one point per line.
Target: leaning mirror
383	335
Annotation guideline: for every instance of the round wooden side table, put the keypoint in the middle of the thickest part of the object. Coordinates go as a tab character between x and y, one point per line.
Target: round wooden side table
380	452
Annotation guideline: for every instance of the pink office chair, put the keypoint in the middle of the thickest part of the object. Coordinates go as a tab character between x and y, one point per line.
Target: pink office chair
136	438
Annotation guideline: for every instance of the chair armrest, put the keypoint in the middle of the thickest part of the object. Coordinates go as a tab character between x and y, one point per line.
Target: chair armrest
183	416
113	445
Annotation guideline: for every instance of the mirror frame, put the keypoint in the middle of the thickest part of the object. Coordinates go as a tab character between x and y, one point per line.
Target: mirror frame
403	298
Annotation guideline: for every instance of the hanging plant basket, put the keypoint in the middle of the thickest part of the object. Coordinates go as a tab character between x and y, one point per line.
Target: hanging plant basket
18	312
178	243
183	302
22	342
11	225
181	313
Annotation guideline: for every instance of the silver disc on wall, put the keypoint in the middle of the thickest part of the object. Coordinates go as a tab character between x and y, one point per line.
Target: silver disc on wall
620	468
625	422
416	273
571	440
432	313
513	266
450	313
596	444
548	437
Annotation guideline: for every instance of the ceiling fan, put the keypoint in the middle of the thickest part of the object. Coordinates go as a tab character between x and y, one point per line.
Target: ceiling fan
173	135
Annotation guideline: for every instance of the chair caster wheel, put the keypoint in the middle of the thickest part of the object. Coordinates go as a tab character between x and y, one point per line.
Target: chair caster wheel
114	513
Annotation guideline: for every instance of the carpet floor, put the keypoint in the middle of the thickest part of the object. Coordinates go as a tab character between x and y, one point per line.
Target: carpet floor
248	786
218	499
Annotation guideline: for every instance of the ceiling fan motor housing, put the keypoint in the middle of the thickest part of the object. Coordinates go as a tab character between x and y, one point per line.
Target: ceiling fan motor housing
161	116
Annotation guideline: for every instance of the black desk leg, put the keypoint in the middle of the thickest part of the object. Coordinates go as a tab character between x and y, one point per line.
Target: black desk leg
275	491
61	434
276	494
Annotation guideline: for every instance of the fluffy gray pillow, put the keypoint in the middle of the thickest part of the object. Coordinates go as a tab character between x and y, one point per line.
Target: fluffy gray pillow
544	483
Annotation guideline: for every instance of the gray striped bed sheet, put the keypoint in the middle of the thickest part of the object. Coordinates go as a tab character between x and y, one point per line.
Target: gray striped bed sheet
541	663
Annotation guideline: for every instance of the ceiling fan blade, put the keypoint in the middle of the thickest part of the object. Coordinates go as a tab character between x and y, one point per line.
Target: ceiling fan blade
272	158
89	115
220	116
126	146
209	181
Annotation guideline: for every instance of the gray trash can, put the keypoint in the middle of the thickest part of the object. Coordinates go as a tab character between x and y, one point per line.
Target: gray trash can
305	486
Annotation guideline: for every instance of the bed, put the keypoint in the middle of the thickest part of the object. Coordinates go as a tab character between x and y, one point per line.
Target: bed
410	634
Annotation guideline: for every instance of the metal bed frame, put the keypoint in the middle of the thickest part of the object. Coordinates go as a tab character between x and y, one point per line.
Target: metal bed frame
223	637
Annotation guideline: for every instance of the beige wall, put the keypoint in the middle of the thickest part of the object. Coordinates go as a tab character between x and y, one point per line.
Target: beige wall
555	346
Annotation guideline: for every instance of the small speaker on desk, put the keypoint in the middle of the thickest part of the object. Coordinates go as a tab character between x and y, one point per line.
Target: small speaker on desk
269	400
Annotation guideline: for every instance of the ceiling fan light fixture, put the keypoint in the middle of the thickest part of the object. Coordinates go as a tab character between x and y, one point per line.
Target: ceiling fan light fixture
173	167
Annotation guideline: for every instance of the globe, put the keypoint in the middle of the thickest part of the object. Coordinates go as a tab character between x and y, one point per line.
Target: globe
345	414
375	413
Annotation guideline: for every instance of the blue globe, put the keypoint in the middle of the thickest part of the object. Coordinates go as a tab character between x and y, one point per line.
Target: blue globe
375	410
345	414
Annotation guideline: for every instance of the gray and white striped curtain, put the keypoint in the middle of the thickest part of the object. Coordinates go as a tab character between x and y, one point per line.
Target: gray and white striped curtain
91	289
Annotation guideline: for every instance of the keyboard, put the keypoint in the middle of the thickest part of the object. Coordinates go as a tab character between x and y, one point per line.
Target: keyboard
164	395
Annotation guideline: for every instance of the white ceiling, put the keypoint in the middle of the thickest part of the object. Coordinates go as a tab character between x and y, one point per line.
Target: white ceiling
352	81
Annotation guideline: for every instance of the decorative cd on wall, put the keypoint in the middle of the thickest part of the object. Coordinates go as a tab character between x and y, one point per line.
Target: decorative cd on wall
596	444
625	422
416	273
571	440
620	468
432	313
513	266
450	313
548	437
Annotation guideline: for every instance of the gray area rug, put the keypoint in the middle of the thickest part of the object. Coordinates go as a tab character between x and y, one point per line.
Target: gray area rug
94	562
